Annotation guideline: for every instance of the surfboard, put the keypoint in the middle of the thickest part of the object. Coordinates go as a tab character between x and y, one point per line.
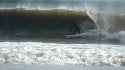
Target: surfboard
73	36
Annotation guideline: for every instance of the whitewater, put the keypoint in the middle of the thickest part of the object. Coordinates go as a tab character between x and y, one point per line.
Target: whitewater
68	54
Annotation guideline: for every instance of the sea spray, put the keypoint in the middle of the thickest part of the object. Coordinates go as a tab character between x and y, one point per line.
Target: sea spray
111	22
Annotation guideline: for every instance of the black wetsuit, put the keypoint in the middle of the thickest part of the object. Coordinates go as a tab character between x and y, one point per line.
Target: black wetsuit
75	29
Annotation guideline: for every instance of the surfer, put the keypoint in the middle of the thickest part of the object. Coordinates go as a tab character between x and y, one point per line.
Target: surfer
75	29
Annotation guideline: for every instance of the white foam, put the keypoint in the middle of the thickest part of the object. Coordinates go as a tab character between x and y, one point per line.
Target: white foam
107	21
71	54
118	36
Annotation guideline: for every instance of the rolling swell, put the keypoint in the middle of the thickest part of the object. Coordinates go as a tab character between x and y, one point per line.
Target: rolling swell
39	23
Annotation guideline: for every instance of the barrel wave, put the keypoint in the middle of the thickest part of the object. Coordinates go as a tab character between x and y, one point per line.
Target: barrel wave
99	40
40	23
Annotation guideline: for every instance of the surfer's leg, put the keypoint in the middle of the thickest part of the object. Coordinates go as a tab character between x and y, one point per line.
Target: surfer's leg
79	30
75	31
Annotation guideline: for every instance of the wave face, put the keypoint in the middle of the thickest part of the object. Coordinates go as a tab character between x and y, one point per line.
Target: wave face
42	23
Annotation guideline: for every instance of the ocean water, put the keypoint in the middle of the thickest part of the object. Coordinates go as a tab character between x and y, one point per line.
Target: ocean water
25	23
68	54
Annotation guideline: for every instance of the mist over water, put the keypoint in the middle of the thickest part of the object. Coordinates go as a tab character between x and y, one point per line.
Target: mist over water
109	16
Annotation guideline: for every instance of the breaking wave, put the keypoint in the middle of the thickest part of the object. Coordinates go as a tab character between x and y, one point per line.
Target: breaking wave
108	16
53	19
42	23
